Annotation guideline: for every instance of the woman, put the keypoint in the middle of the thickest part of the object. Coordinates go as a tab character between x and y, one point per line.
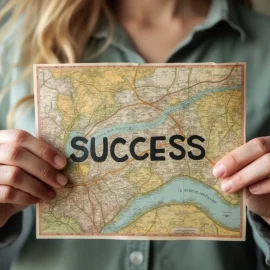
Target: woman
130	31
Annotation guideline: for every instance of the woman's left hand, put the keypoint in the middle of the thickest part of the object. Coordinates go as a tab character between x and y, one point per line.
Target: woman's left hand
248	167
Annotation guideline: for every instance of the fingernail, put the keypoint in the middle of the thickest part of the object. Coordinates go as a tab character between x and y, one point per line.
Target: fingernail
59	161
219	170
51	194
254	189
226	186
61	179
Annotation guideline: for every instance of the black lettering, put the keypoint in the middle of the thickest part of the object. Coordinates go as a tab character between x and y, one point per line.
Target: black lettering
74	144
104	155
155	150
113	145
197	146
132	149
177	146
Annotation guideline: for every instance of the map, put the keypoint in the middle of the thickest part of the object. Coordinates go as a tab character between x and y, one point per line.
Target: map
141	143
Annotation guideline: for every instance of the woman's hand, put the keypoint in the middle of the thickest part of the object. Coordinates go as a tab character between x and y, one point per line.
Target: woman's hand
28	172
248	167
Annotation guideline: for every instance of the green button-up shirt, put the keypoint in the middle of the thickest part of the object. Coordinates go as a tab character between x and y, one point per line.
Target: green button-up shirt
229	34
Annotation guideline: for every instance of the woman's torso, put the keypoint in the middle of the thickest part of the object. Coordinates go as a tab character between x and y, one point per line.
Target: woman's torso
228	35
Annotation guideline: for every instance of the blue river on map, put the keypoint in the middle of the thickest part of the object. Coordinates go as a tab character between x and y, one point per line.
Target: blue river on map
129	127
179	190
196	192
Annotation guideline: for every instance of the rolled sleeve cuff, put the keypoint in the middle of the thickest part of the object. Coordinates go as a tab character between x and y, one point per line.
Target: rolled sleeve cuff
11	231
261	233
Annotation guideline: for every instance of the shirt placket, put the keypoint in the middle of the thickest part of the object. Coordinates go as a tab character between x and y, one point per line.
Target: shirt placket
137	255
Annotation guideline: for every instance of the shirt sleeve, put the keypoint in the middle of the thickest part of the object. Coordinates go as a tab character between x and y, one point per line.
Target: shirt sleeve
17	229
11	231
261	234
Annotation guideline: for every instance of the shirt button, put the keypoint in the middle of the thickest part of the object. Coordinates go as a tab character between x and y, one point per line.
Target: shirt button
136	257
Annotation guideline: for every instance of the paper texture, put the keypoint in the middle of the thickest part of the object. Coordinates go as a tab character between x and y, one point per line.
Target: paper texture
141	142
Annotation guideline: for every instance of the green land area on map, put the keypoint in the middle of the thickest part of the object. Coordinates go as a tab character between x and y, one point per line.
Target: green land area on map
141	142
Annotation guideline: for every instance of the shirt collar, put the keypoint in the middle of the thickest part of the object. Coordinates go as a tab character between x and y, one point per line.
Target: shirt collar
221	10
225	10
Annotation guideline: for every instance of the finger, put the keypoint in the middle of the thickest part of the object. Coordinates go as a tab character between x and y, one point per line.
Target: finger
17	178
35	146
11	195
252	173
13	208
260	188
15	155
241	157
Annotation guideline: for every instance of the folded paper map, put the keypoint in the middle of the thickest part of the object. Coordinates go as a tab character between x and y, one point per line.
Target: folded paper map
141	142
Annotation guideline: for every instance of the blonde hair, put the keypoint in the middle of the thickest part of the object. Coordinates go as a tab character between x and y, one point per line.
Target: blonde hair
54	32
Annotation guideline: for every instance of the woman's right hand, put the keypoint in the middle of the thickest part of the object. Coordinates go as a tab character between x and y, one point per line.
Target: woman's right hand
28	172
